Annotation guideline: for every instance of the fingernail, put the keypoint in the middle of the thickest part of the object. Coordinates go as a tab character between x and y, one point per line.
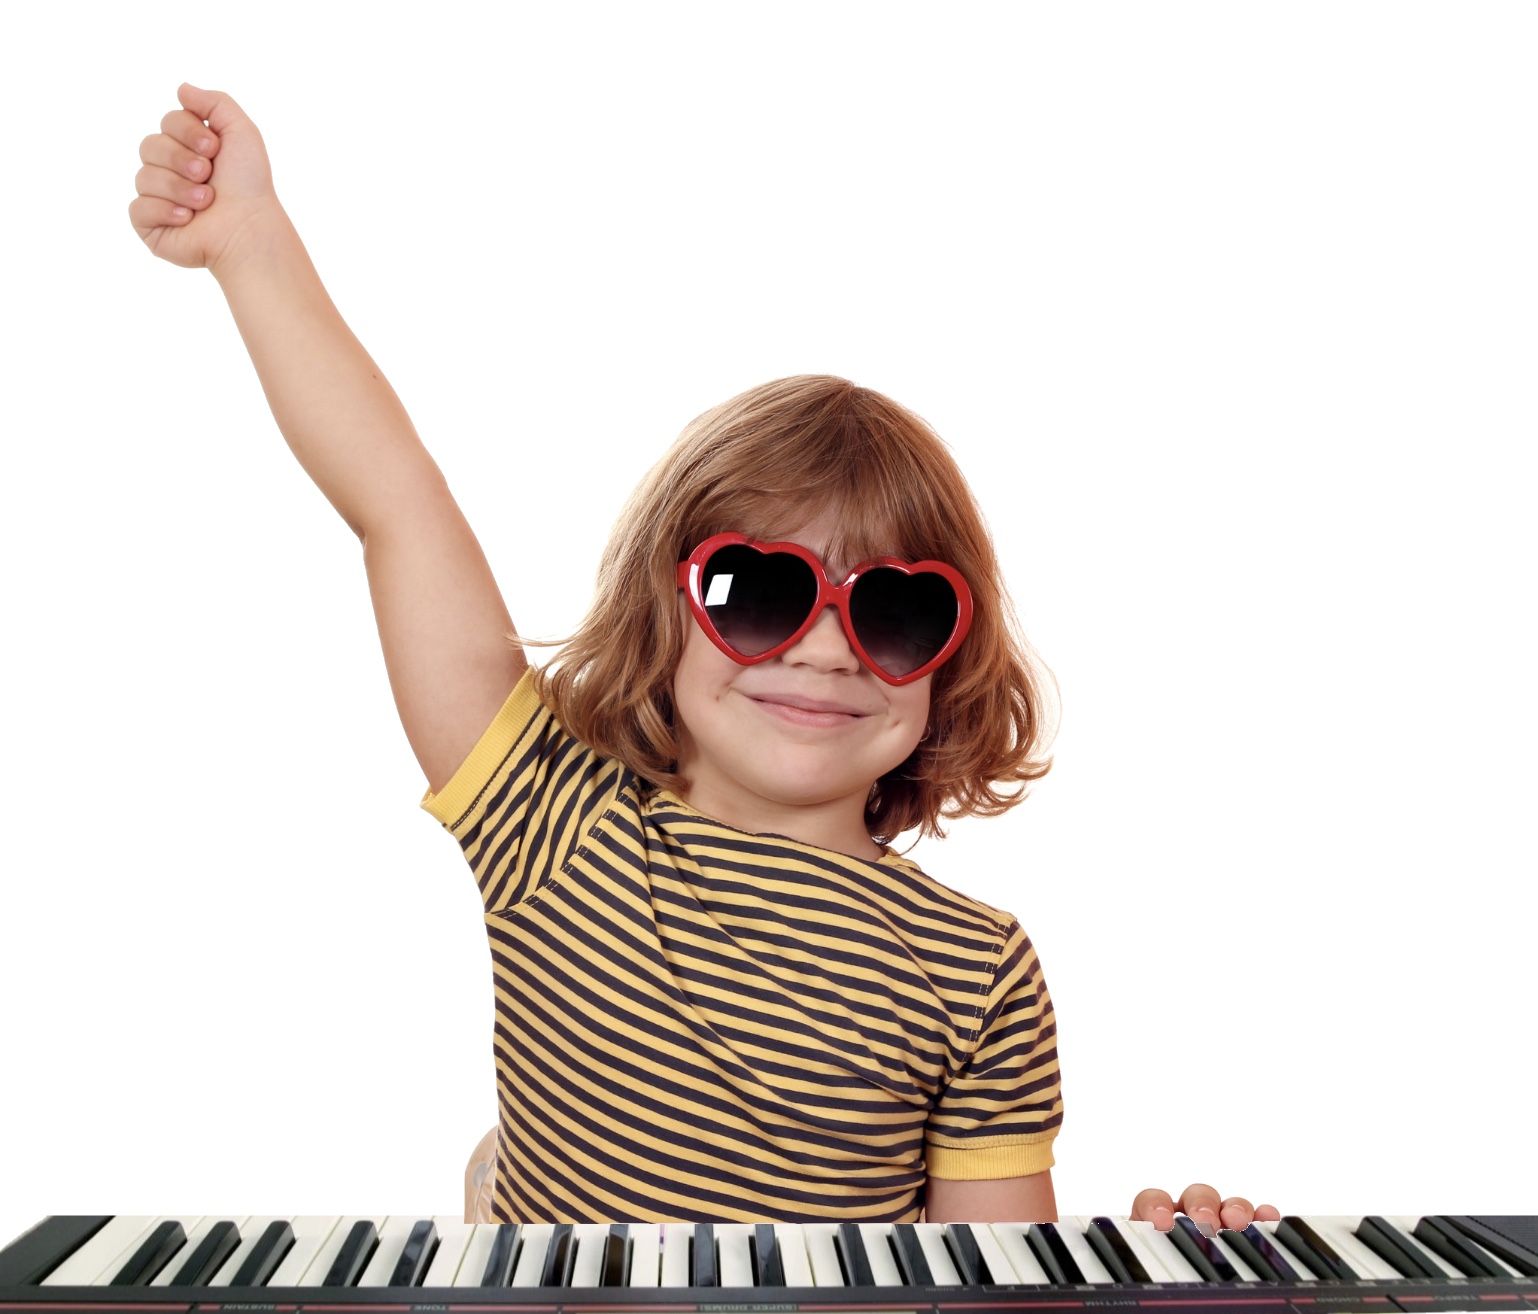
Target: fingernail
1163	1218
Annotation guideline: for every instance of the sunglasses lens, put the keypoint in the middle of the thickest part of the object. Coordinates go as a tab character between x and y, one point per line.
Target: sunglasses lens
756	600
903	620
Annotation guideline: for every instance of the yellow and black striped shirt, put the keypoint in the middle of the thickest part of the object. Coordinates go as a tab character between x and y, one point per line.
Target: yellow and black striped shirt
696	1023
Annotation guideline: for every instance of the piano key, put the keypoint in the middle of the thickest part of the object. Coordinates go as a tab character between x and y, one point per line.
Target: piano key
1114	1252
1261	1255
252	1228
703	1268
310	1233
1155	1270
454	1236
1318	1256
1176	1267
421	1244
497	1267
1517	1256
343	1264
822	1254
1338	1231
852	1257
931	1238
1237	1257
274	1242
645	1254
109	1248
1444	1272
393	1234
966	1257
1072	1229
590	1240
1456	1249
165	1239
1393	1248
559	1257
791	1241
768	1270
912	1263
534	1245
734	1243
1019	1258
676	1241
616	1256
1047	1244
1202	1254
877	1238
210	1242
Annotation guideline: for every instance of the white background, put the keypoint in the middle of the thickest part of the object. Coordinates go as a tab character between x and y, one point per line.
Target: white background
1228	313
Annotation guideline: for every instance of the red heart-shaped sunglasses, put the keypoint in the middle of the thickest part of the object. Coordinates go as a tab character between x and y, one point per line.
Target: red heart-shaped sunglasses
754	600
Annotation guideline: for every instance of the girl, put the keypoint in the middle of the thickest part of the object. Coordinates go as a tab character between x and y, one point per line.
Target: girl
720	992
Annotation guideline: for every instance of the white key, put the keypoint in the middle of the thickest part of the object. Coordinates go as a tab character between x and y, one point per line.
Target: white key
251	1230
878	1253
645	1254
1159	1245
734	1243
932	1242
1072	1229
1011	1239
1406	1224
1337	1231
196	1229
675	1254
110	1248
477	1254
531	1255
820	1253
326	1253
453	1240
1155	1270
310	1233
999	1267
392	1240
793	1257
590	1239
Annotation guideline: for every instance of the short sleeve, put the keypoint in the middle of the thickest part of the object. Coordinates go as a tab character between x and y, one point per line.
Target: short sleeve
519	803
1001	1112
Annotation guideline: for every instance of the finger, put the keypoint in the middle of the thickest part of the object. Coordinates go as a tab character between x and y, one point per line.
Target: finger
164	150
1268	1214
152	180
1202	1203
1156	1207
1237	1213
217	107
185	128
148	213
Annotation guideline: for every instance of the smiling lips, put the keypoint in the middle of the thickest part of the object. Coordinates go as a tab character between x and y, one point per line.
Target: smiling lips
809	711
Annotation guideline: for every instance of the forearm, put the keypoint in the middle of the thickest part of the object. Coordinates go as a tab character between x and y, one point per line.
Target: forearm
337	411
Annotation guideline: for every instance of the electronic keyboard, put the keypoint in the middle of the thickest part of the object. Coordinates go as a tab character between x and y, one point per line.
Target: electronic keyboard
1301	1265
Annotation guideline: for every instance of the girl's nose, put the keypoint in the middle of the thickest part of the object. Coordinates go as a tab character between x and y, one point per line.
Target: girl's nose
825	644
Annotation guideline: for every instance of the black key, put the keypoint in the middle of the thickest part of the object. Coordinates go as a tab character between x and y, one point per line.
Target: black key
911	1262
504	1253
276	1240
1448	1242
851	1251
1052	1251
768	1267
1317	1254
1391	1246
971	1267
560	1257
147	1261
702	1261
39	1250
217	1245
362	1240
1106	1240
1518	1256
615	1266
1202	1253
416	1255
1261	1255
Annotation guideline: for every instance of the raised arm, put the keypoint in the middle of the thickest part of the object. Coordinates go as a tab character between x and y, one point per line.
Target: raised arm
441	618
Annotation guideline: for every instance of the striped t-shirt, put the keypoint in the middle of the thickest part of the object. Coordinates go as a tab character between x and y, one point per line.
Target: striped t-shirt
695	1023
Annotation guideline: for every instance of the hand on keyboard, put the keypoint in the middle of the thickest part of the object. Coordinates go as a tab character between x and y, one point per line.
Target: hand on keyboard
1204	1205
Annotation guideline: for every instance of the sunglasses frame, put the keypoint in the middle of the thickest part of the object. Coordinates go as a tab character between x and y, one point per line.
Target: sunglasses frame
691	576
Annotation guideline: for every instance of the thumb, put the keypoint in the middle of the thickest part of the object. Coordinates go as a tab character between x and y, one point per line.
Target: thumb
215	108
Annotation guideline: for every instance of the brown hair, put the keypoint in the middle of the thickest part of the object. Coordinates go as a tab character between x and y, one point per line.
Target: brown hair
812	443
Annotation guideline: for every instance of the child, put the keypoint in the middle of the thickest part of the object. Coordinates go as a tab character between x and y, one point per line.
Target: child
720	992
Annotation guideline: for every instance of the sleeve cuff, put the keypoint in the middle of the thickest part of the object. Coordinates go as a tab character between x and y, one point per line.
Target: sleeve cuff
988	1163
450	804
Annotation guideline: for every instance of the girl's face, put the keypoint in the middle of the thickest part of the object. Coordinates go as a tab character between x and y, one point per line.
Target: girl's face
762	768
